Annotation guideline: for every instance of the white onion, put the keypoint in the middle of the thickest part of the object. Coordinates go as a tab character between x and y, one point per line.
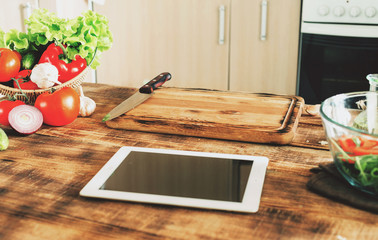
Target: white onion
25	119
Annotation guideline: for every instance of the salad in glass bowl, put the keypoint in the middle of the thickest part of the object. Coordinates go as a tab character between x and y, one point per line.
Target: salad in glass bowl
351	124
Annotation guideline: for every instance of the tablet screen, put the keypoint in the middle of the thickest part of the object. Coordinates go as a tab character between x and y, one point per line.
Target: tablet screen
181	176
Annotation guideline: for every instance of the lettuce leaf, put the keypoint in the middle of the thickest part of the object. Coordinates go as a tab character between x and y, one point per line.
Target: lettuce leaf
14	40
45	26
91	37
87	35
17	40
2	39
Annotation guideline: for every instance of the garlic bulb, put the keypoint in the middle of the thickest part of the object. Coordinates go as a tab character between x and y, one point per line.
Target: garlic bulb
87	105
45	75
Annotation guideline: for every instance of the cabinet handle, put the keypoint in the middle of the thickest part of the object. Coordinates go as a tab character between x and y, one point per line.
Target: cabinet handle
221	25
27	10
264	15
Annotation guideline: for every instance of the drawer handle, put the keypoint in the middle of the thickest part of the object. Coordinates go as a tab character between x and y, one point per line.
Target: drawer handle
264	15
221	24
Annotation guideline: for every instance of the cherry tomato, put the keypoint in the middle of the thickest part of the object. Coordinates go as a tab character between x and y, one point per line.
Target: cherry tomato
23	79
9	64
60	107
5	107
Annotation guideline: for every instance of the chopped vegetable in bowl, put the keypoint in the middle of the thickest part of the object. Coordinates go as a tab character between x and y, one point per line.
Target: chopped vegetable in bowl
358	159
352	136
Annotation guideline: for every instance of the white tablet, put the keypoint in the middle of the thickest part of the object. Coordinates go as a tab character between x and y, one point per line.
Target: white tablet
182	178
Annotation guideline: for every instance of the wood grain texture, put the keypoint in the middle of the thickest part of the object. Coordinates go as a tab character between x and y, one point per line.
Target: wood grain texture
42	174
263	118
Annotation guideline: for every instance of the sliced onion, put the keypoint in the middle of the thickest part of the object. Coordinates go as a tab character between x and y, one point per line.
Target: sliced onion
25	119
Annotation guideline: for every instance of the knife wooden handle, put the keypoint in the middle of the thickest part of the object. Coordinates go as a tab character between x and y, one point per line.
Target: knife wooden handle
155	83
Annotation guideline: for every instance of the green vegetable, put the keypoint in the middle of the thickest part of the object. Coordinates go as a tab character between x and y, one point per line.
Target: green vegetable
45	27
87	35
29	60
4	142
363	169
368	170
14	40
2	39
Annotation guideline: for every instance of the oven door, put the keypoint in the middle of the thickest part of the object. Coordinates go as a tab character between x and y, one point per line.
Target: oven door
330	65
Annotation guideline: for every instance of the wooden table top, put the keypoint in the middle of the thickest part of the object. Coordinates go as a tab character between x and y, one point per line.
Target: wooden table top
42	174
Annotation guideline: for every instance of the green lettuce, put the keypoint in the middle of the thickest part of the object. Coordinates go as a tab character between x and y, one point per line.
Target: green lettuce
14	40
17	40
91	37
44	27
87	35
2	39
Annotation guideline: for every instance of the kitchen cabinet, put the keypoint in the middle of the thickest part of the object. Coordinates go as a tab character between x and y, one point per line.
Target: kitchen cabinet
181	37
270	64
13	13
184	38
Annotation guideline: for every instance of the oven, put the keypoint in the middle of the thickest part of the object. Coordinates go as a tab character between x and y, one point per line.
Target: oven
338	47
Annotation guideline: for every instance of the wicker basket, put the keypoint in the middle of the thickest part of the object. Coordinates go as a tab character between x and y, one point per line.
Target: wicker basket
33	94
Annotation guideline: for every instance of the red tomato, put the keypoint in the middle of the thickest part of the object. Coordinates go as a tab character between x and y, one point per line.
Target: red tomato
5	107
60	107
23	79
9	64
18	55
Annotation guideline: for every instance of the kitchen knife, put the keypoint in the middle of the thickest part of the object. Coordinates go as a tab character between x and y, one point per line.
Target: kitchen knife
137	98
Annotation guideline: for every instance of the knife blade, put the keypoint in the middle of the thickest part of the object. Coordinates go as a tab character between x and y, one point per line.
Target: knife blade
145	92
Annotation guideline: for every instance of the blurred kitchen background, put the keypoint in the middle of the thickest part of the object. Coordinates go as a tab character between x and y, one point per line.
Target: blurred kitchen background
310	48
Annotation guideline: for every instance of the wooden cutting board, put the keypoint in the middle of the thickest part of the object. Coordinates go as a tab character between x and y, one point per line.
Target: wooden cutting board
262	118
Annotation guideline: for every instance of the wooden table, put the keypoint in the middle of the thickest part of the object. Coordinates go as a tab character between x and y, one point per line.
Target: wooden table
41	176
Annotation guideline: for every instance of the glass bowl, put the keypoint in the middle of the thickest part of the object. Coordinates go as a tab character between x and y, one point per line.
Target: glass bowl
350	121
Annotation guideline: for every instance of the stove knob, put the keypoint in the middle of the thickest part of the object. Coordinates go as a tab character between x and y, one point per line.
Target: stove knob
338	11
354	11
323	10
370	12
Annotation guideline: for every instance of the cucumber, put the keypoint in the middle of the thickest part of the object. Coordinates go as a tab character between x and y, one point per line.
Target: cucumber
29	60
4	142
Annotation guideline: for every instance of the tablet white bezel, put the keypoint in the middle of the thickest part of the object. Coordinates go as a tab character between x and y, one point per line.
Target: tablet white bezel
249	203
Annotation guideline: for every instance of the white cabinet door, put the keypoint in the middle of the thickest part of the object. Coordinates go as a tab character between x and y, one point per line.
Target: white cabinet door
14	12
178	36
268	65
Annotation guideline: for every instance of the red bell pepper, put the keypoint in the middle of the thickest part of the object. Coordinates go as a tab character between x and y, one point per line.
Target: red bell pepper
358	146
56	55
347	143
